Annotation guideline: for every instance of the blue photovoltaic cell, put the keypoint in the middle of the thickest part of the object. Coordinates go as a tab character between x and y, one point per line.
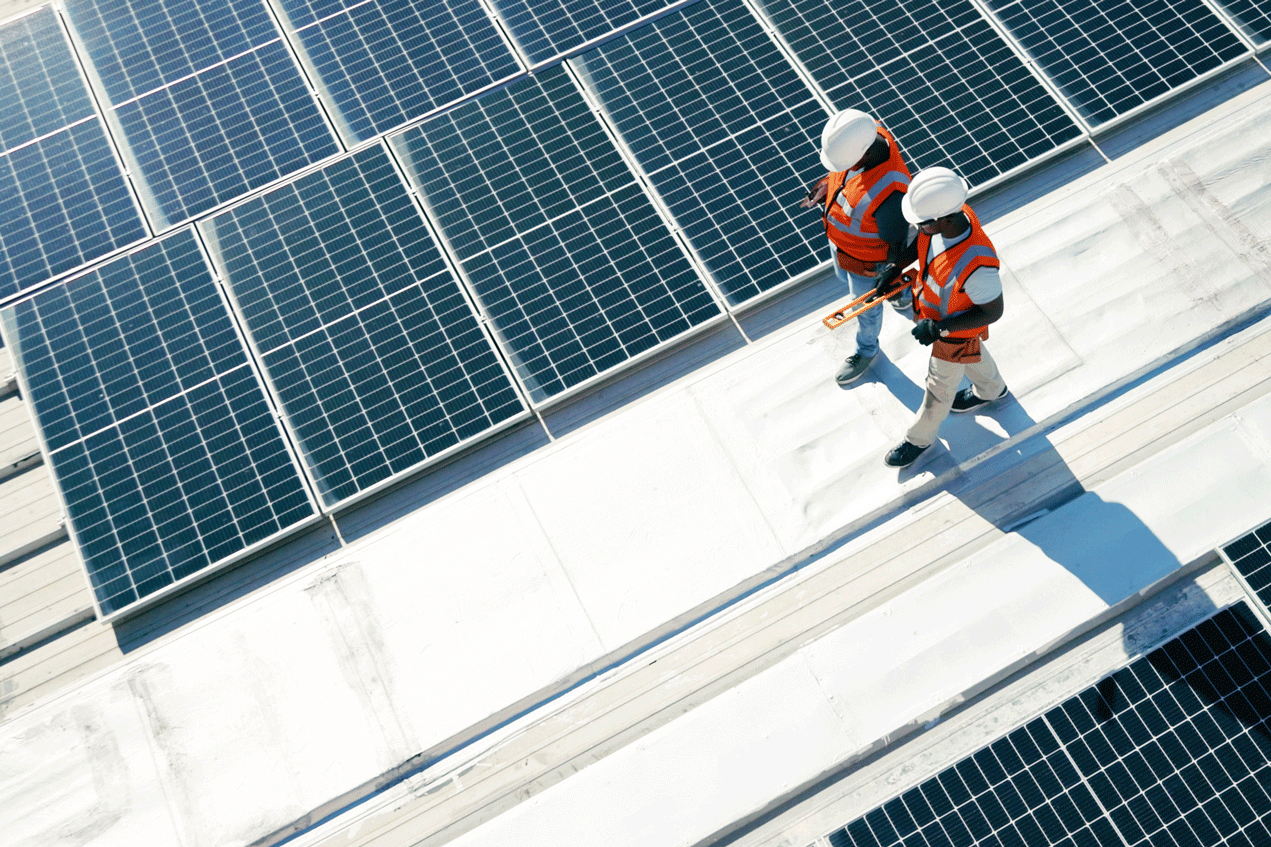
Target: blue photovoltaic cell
1251	556
727	132
167	453
544	29
210	101
1109	56
1174	749
365	335
935	73
66	199
384	62
141	45
41	88
571	262
1252	16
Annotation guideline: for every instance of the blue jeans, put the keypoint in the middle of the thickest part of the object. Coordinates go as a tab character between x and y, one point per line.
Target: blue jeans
869	324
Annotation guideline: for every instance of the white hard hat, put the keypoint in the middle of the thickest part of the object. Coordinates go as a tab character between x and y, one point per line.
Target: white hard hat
933	193
845	139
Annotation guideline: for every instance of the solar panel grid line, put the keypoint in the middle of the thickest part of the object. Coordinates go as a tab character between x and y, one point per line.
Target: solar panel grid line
311	73
509	24
161	49
194	74
398	66
791	56
1046	781
138	455
845	46
228	65
692	73
998	27
1250	17
1248	558
307	72
449	253
1231	19
86	236
502	348
403	311
643	180
961	115
1216	37
743	116
518	344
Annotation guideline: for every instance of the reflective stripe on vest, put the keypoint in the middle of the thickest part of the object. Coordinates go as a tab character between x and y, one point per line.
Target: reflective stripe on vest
945	297
851	203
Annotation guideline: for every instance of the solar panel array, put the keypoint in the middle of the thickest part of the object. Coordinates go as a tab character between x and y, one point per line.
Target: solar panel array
545	29
561	245
377	359
1251	17
1250	555
167	454
417	240
66	199
380	63
1108	57
1174	749
208	98
935	73
718	119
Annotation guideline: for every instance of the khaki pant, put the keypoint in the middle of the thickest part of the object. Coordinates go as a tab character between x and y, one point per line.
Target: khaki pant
943	379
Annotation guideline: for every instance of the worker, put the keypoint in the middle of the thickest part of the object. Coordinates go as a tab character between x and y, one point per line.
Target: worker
860	207
956	295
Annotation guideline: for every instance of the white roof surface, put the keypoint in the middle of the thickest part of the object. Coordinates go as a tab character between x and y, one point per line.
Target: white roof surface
899	594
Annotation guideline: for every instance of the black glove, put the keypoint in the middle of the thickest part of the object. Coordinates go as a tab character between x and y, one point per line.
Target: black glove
926	332
816	193
885	281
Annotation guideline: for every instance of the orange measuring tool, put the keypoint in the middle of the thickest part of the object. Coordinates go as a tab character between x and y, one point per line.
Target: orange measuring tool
861	304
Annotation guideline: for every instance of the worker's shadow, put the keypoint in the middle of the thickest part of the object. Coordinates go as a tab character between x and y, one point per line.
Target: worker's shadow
1030	491
1032	495
904	389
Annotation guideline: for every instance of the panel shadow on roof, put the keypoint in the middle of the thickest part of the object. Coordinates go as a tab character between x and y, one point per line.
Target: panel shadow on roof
935	74
66	199
1173	749
381	63
377	358
158	432
545	29
1108	57
208	99
728	134
564	250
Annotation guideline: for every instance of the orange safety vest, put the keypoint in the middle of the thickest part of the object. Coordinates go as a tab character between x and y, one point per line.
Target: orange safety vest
940	284
850	205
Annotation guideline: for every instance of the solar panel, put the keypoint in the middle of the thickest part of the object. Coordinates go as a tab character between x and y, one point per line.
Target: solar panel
728	134
935	73
1250	555
384	62
209	101
66	199
158	432
378	360
1253	17
1173	749
564	250
1110	56
545	29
